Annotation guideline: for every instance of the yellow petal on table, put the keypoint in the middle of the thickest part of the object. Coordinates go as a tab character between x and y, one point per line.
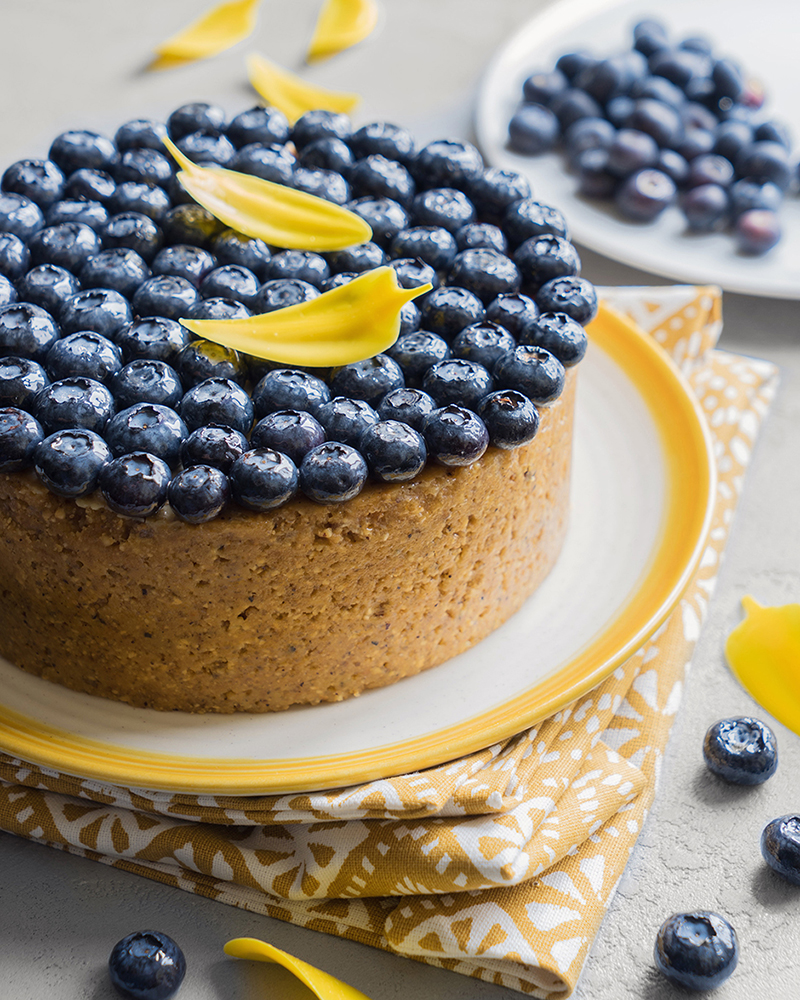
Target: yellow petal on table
322	984
272	212
217	30
349	323
291	94
341	24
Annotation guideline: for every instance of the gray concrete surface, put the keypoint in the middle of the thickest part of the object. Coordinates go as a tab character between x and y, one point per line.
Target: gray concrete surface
76	63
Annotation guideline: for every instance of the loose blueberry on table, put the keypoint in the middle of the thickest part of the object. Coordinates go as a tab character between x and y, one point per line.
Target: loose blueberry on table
147	965
741	750
698	950
103	253
780	847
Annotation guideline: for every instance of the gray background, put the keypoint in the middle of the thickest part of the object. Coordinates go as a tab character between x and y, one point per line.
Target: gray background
78	63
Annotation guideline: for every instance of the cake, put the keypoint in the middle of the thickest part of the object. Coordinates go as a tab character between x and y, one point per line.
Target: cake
243	602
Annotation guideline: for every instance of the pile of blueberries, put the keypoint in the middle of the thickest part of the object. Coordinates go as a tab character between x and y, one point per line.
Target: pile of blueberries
664	124
102	253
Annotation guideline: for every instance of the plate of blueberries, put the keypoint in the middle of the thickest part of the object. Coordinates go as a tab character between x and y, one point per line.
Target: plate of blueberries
670	141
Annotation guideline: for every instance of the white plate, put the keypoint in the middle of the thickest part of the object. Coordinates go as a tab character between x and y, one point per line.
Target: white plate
762	37
642	489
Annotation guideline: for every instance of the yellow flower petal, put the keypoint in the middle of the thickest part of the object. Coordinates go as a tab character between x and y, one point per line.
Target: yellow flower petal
272	212
217	30
292	95
341	23
349	323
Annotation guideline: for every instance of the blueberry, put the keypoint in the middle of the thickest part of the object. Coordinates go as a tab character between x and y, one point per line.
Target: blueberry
85	353
696	143
181	261
572	104
410	406
457	380
780	847
645	195
384	216
217	401
263	479
447	310
99	309
571	63
710	169
289	389
147	965
741	750
270	163
165	295
481	236
541	88
337	280
118	269
533	129
146	381
69	461
39	180
15	257
727	78
190	224
202	359
680	66
486	273
67	245
413	273
147	427
359	258
630	151
207	146
510	417
230	282
588	133
483	342
48	287
91	185
135	232
231	247
409	318
771	131
393	451
765	162
218	308
191	117
649	36
382	178
613	77
215	446
542	258
415	352
757	231
516	313
698	950
26	330
135	484
198	494
745	194
283	292
154	337
526	218
384	139
442	207
574	296
345	419
90	213
327	154
619	109
731	138
446	163
533	371
137	196
319	124
298	265
292	432
8	294
20	380
83	149
19	215
697	116
492	191
696	44
20	435
455	435
327	184
76	401
559	334
144	166
706	207
434	245
673	165
369	380
332	473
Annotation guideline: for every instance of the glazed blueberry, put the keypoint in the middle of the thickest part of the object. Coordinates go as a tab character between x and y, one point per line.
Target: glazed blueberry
780	847
745	195
298	265
385	217
67	245
270	163
91	185
485	273
409	318
289	389
231	247
135	484
337	280
645	195
510	417
218	308
516	313
455	435
217	401
327	154
447	310
384	139
76	401
144	166
83	149
263	479
187	262
85	353
706	207
574	296
527	218
135	232
483	342
409	406
39	180
230	282
333	473
215	446
292	432
315	125
327	184
99	309
195	116
69	461
559	334
533	371
147	427
345	419
8	294
765	162
533	129
281	293
541	88
741	750
698	951
446	163
202	359
19	215
15	257
165	295
190	224
542	258
756	231
573	104
393	451
207	146
369	380
20	380
362	257
416	351
120	269
154	338
49	287
457	380
380	177
710	169
493	191
146	381
20	435
137	196
413	273
481	236
434	245
198	494
630	151
442	207
147	965
89	213
26	330
262	125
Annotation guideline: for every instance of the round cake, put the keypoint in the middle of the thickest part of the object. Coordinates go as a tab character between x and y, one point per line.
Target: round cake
183	527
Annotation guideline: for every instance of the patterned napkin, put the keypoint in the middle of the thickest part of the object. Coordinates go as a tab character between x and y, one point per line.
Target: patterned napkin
499	865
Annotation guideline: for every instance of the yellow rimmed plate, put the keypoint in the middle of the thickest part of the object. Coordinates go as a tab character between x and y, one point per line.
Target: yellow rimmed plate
642	492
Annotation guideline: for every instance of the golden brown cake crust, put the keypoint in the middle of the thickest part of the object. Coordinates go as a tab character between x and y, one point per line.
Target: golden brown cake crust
256	612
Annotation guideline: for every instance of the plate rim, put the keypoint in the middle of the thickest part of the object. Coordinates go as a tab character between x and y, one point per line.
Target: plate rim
686	446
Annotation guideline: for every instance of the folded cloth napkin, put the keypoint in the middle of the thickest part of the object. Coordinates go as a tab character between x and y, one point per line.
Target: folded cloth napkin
499	865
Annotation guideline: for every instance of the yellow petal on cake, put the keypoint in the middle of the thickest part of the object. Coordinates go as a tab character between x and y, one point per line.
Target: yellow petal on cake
322	984
340	25
349	323
217	30
291	94
271	212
